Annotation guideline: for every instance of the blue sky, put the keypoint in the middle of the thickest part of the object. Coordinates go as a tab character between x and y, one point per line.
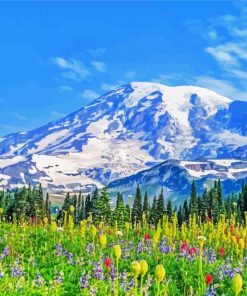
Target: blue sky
56	57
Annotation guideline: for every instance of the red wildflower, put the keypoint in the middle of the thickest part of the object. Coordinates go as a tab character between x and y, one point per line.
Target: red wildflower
184	247
222	251
209	279
107	263
147	236
192	251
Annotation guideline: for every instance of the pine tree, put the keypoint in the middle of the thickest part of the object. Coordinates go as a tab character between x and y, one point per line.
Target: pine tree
66	203
145	203
136	214
153	217
47	207
95	206
88	206
119	212
228	207
79	206
193	200
30	202
220	198
204	205
65	207
245	198
21	203
180	216
104	205
127	213
160	205
169	209
82	213
186	211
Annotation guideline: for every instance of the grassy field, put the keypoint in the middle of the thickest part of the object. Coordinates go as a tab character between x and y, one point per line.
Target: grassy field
128	260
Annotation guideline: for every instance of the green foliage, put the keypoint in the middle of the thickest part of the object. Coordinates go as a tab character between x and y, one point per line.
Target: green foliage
136	214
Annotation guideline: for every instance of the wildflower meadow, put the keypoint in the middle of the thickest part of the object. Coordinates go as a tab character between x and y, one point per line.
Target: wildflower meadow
194	259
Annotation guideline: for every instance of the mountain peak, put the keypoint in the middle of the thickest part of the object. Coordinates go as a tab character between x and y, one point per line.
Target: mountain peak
122	132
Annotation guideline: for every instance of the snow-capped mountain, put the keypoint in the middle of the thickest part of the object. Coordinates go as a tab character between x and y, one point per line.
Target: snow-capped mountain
125	131
175	177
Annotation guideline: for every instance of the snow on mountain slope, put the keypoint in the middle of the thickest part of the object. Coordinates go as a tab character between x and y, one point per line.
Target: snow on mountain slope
122	132
175	177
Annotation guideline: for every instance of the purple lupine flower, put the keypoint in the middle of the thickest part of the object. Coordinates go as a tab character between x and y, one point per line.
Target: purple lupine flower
140	247
70	257
5	252
90	248
211	291
210	256
83	282
227	270
59	250
15	271
164	248
98	271
113	273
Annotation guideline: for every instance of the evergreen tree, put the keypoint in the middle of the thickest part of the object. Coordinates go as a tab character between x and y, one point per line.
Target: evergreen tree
204	205
244	192
79	206
95	206
160	205
153	217
127	213
82	213
145	203
220	198
136	214
39	204
193	200
186	211
119	212
88	206
169	209
47	207
180	216
66	203
65	207
104	205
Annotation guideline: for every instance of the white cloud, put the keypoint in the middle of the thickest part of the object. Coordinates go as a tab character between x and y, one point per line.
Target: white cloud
65	88
228	47
75	70
223	55
89	94
223	87
99	66
107	86
172	79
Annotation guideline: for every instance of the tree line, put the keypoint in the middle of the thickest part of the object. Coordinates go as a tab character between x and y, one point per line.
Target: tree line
29	204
